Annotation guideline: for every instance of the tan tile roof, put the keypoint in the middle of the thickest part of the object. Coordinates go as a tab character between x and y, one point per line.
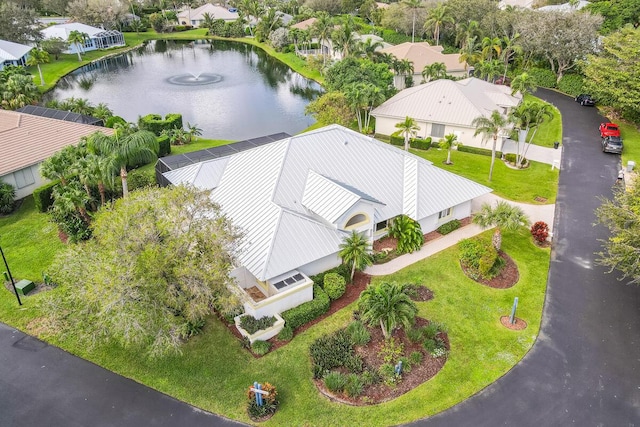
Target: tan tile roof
304	25
27	140
422	54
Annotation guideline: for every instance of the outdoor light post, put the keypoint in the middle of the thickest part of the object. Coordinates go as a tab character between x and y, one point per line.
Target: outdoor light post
10	276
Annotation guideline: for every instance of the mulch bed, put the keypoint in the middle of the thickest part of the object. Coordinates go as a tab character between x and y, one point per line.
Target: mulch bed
508	276
387	244
380	392
517	326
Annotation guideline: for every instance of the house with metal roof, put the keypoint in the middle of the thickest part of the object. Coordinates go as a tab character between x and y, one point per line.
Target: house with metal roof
96	38
27	140
441	107
423	54
296	199
13	53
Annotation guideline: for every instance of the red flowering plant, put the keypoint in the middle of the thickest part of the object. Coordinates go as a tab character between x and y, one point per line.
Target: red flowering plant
540	232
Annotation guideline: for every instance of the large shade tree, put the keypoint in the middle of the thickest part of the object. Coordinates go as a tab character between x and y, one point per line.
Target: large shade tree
388	305
490	127
355	250
502	216
158	262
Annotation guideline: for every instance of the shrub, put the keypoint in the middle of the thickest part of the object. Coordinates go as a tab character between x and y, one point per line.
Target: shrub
7	193
308	311
448	227
540	231
406	364
286	334
261	347
164	142
511	157
253	325
155	123
335	382
388	374
396	140
330	351
391	351
478	256
140	179
415	358
408	232
113	120
358	333
543	77
279	38
270	402
415	334
343	270
571	84
430	331
354	364
334	285
354	385
420	144
477	150
43	196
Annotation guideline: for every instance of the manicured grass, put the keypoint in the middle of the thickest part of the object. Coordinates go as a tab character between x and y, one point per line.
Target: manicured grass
520	185
214	372
551	130
631	140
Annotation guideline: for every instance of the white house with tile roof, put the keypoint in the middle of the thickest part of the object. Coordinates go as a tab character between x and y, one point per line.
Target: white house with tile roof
196	16
443	106
13	53
27	140
297	199
96	38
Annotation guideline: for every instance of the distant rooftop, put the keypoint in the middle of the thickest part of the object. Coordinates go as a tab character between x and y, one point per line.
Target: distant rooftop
67	116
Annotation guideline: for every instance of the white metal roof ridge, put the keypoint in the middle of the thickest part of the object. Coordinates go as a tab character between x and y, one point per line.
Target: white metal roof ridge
410	188
326	198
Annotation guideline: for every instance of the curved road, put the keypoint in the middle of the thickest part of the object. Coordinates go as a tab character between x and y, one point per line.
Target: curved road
584	369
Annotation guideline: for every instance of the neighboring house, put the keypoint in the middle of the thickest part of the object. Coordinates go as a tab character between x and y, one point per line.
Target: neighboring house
565	7
297	199
522	4
52	113
445	106
97	38
13	53
26	140
195	17
423	54
304	25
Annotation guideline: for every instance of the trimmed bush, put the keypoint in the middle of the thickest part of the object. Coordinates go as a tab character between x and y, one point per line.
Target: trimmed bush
156	124
396	140
540	231
7	193
113	120
343	270
308	311
286	334
543	77
330	351
42	196
477	150
335	382
479	256
334	285
571	84
448	227
137	179
421	144
511	157
253	325
164	142
358	333
354	385
261	347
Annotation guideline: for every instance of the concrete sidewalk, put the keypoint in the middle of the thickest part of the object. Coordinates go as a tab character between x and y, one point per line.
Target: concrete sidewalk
535	212
536	153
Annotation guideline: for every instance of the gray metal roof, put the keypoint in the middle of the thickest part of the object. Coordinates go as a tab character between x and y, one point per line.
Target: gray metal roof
284	195
449	102
10	51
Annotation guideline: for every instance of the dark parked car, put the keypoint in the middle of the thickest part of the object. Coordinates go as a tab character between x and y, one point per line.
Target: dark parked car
612	144
585	99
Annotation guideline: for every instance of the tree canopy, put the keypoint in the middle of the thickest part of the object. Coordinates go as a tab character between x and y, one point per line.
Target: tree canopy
352	70
158	262
17	24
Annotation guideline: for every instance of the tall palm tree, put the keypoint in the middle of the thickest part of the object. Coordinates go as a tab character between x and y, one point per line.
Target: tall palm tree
449	141
527	116
503	216
123	148
407	128
37	57
490	127
77	38
368	48
523	83
434	71
102	111
355	250
489	69
388	305
510	47
491	45
344	38
470	54
436	19
322	28
466	31
414	6
60	165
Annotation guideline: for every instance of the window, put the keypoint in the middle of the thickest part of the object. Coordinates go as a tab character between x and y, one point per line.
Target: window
356	219
437	130
445	213
24	178
382	225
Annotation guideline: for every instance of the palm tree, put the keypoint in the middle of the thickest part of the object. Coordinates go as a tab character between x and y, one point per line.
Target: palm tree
208	21
71	198
434	71
322	28
470	54
503	216
60	165
77	38
368	48
408	128
490	127
388	305
123	148
489	46
527	116
489	69
37	57
510	48
414	6
449	141
355	250
436	19
524	83
102	111
343	38
194	131
465	32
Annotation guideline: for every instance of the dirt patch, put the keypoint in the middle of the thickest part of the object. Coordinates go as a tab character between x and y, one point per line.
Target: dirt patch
420	293
518	325
508	276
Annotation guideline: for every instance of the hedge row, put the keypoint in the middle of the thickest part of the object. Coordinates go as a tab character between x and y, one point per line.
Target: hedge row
416	143
42	196
305	313
476	150
155	123
164	142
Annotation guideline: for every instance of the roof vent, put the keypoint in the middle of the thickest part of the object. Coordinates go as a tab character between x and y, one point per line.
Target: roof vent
346	142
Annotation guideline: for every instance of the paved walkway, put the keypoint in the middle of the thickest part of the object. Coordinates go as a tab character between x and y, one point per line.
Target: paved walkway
536	153
535	212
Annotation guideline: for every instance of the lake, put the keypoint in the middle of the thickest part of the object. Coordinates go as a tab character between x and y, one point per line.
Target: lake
229	90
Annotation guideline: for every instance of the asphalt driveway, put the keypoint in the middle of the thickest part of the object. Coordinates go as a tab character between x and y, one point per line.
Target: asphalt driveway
584	369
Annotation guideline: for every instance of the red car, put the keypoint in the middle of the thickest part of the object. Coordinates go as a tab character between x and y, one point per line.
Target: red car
609	129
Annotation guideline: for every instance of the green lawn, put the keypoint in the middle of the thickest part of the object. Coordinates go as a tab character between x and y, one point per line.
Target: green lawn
631	137
550	131
522	185
214	372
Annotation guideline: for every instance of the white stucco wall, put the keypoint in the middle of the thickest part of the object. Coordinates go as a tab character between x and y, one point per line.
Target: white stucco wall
283	301
432	222
320	265
27	190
